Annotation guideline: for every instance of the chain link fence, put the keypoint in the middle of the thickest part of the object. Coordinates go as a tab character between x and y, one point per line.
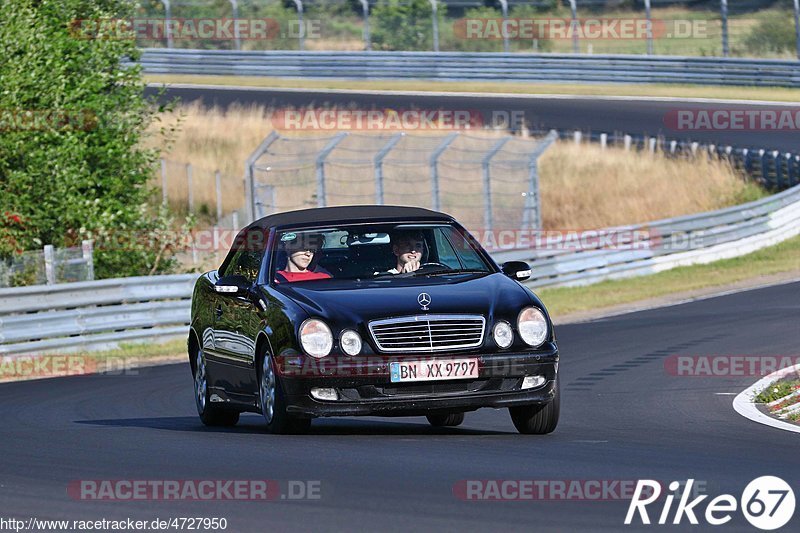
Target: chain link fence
48	266
483	181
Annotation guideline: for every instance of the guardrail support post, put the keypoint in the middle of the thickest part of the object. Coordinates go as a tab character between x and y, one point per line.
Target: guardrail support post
723	8
778	168
603	140
649	18
379	157
435	24
626	140
532	214
49	264
87	252
367	37
320	168
299	5
487	182
573	6
433	162
249	165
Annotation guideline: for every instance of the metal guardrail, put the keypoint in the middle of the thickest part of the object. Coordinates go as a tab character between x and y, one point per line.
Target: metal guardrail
468	66
89	315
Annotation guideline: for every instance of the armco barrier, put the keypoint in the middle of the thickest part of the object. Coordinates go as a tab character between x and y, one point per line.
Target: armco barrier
100	313
463	66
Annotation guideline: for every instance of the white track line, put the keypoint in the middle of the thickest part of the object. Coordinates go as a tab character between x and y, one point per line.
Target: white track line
744	405
519	96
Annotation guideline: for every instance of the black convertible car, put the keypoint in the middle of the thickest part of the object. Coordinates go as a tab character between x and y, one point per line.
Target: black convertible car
369	310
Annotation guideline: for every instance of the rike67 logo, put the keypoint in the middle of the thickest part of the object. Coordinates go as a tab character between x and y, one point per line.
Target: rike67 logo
767	503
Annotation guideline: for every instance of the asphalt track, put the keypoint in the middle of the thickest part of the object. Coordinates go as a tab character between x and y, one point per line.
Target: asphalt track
627	116
623	418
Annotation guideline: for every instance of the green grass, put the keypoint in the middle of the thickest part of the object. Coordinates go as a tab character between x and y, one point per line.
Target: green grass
776	391
773	94
781	258
143	350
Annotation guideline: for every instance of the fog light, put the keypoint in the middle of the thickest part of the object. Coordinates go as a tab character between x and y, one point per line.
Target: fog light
324	394
531	382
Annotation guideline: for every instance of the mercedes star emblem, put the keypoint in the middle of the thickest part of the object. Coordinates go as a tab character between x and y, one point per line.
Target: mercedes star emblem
424	299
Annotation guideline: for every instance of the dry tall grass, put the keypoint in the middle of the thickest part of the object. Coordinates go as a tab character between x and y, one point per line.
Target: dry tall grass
581	186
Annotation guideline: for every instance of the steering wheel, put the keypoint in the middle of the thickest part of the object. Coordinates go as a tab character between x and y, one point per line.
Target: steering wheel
424	265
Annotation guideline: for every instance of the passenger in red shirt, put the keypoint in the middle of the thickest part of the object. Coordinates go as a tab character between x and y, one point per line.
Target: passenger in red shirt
300	252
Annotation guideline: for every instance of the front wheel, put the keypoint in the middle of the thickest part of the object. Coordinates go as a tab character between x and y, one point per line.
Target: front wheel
210	414
273	403
449	420
537	419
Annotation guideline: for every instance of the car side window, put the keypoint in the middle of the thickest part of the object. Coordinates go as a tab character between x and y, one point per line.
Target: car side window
246	261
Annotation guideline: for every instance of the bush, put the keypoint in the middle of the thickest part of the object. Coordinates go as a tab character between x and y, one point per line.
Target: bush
71	162
405	24
774	34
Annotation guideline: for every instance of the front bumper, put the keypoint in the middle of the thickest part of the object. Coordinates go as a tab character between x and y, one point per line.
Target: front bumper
364	388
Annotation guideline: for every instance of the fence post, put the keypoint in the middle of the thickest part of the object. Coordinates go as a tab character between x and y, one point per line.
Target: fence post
87	251
778	169
434	160
435	25
627	142
249	165
320	166
164	197
573	6
218	186
504	8
532	214
367	38
797	26
487	182
649	23
49	264
723	8
235	220
190	185
578	136
301	37
764	166
235	11
167	24
603	140
378	162
652	142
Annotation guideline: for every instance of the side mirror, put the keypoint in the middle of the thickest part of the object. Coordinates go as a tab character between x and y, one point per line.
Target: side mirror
518	270
233	285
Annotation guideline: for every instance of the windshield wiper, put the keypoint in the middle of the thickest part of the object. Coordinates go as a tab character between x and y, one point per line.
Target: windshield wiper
451	272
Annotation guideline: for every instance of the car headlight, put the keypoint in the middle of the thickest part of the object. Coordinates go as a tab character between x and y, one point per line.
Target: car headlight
350	341
316	338
532	326
502	333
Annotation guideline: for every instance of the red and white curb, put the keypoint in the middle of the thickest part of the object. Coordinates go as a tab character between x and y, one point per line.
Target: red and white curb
743	403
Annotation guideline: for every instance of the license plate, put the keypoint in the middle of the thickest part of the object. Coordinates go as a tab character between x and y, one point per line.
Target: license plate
434	370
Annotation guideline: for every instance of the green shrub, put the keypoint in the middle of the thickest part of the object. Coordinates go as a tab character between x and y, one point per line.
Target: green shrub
774	34
71	162
405	24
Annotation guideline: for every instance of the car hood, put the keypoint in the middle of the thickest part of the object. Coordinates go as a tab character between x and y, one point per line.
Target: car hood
356	303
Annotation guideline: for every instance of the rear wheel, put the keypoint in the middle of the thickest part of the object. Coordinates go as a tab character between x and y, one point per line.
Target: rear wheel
210	414
273	403
537	419
452	419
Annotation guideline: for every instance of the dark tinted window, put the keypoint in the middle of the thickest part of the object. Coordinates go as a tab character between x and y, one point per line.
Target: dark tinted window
245	256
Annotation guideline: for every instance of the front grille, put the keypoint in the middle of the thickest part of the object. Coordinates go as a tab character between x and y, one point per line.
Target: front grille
428	333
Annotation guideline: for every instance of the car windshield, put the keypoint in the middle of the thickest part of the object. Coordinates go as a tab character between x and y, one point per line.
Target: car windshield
379	251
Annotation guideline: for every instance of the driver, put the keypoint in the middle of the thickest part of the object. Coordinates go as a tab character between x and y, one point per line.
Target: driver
300	252
407	247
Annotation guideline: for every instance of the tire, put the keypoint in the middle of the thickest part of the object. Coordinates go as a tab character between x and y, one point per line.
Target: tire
210	414
452	419
537	419
273	404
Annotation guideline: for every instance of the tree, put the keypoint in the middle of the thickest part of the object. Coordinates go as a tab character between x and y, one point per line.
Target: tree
405	24
72	117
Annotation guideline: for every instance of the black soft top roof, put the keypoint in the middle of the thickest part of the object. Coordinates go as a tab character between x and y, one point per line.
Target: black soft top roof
347	214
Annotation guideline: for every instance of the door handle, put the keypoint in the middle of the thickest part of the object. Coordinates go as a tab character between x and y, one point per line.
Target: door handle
219	310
